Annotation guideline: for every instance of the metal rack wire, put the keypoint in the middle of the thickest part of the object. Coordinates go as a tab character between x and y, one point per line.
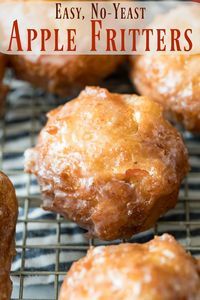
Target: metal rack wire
184	223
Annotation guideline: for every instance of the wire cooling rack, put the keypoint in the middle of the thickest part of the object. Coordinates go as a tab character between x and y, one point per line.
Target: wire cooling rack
183	222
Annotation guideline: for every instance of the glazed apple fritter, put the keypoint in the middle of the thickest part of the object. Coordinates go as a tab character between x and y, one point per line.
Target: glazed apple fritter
109	162
62	75
8	213
157	270
172	80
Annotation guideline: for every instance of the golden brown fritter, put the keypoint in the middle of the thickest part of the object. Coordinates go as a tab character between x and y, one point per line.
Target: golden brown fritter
64	74
157	270
110	162
3	88
173	80
8	219
2	66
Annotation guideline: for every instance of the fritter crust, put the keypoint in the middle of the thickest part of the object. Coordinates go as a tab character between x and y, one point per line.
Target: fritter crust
64	74
2	66
110	162
8	219
173	81
157	270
